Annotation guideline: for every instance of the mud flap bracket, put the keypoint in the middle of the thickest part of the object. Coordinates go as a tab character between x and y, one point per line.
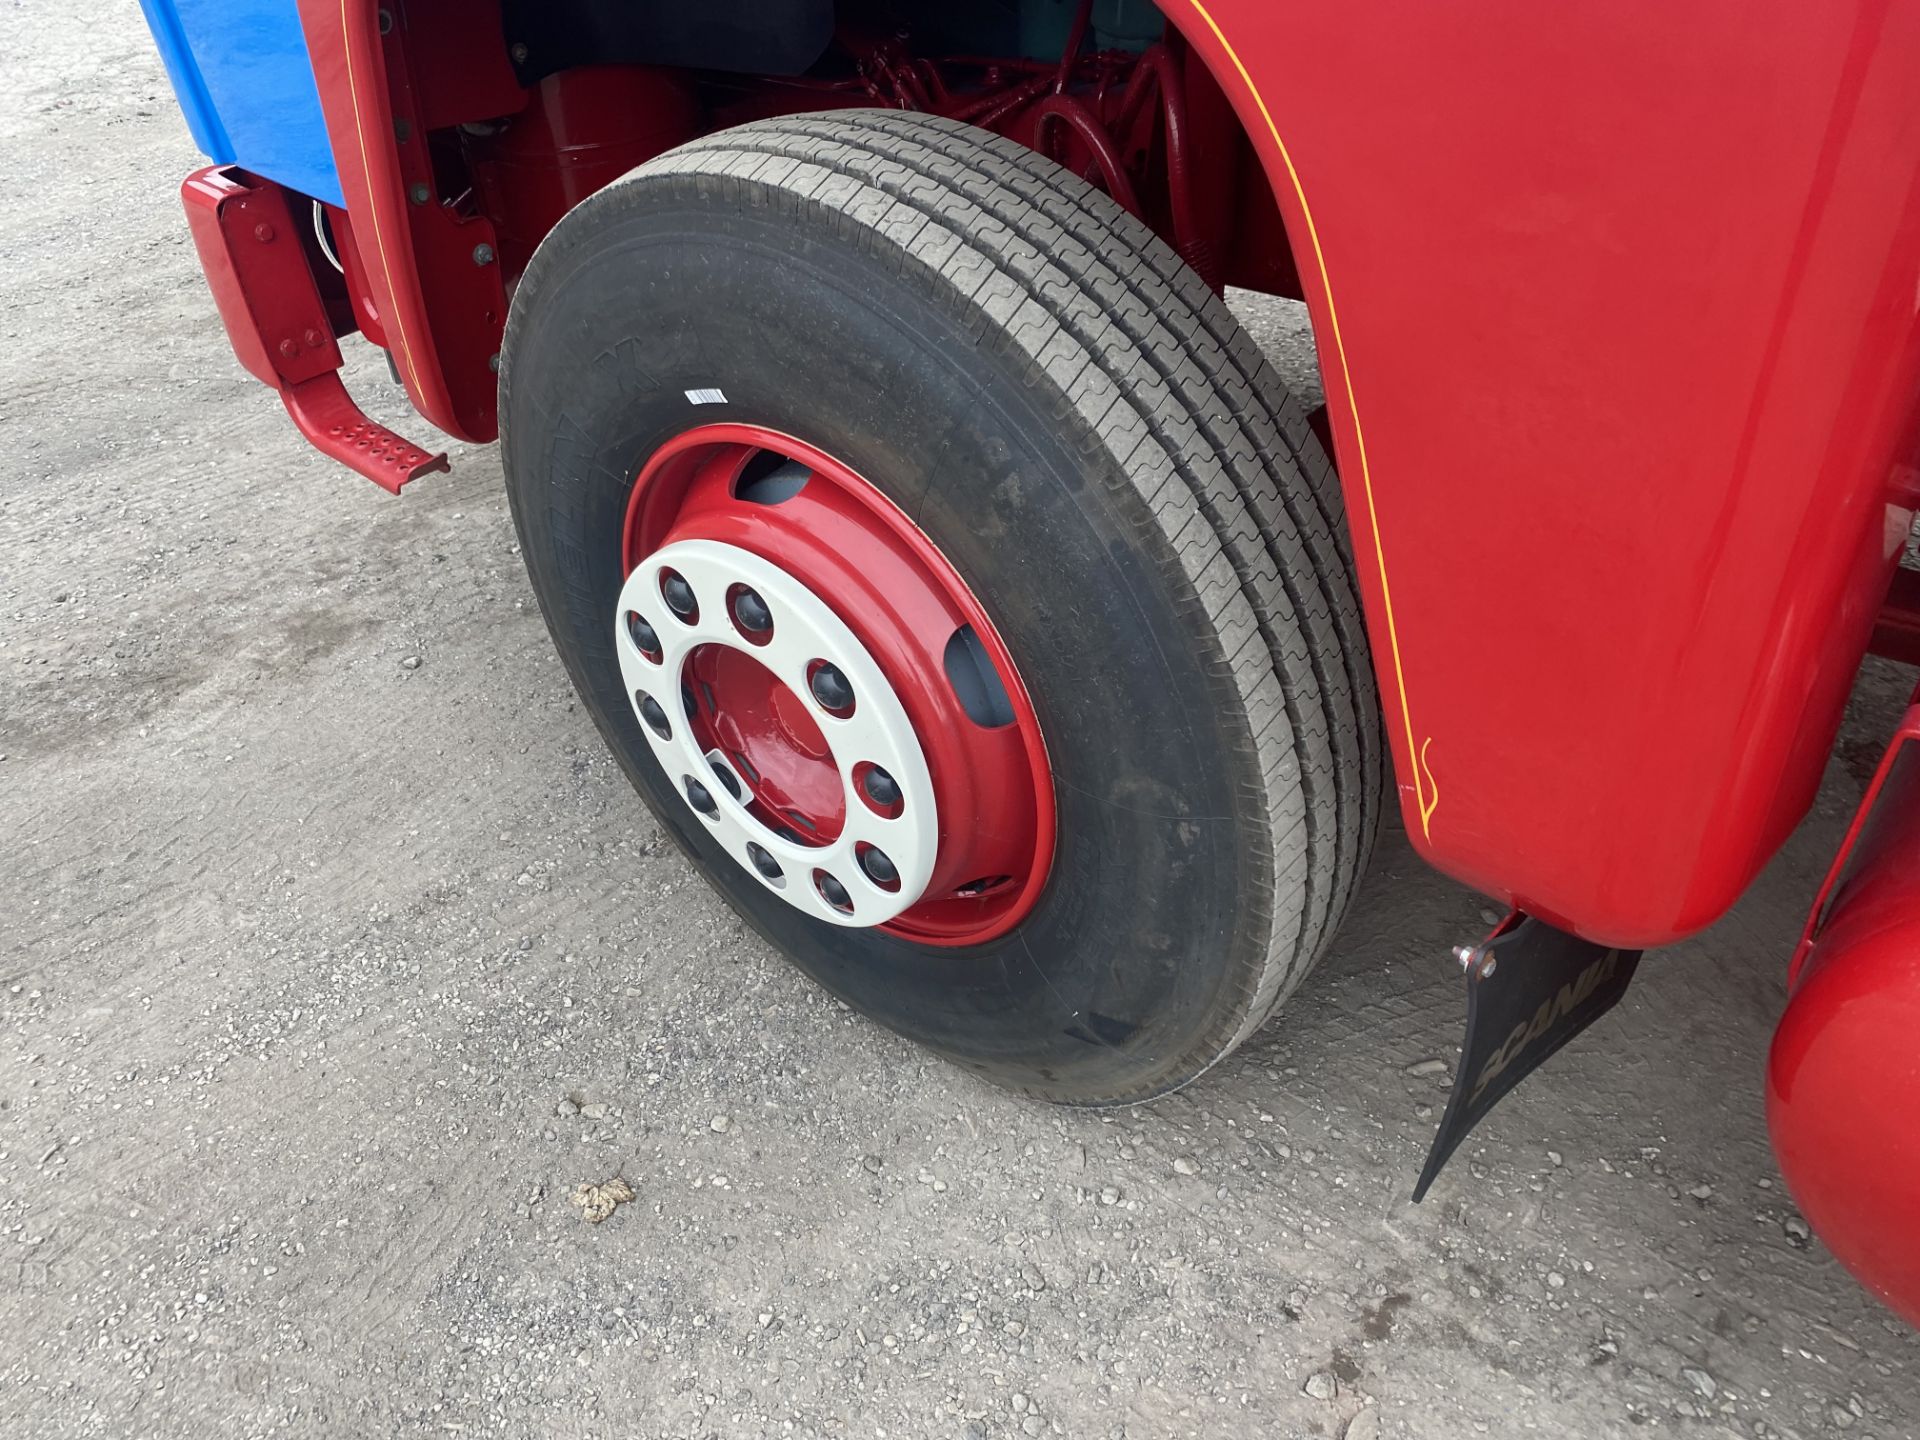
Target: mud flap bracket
1530	989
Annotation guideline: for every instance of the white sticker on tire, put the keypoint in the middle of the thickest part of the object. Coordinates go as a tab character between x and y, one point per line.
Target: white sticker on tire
706	397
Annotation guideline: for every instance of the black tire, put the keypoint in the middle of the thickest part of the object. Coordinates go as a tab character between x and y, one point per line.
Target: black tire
1103	455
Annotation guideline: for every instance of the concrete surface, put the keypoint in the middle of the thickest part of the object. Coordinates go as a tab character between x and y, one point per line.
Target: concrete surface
324	979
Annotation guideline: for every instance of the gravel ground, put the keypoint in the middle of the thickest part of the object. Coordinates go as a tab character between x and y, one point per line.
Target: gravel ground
334	953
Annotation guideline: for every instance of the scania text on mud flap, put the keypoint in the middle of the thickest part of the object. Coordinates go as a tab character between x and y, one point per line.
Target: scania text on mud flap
963	591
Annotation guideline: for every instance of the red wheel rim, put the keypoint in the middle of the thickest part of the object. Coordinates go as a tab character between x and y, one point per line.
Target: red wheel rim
827	527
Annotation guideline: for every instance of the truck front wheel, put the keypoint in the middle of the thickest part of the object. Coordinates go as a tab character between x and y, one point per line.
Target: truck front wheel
958	585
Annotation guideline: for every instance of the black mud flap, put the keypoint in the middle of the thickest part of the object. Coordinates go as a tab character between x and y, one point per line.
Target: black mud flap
1530	989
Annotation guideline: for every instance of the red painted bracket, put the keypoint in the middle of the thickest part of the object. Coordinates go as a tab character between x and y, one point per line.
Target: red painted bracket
263	285
328	417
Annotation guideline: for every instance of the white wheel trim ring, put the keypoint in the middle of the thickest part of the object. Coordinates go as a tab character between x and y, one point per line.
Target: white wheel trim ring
878	731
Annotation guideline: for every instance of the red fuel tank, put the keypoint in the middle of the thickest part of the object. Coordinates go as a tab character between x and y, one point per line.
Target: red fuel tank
1843	1079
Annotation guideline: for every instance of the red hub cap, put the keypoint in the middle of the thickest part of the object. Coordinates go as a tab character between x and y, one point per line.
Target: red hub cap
828	694
775	745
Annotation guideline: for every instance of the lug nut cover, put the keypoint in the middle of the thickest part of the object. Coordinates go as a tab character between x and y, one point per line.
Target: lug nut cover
763	860
643	636
655	717
830	687
699	797
879	868
833	892
726	779
679	597
750	612
881	788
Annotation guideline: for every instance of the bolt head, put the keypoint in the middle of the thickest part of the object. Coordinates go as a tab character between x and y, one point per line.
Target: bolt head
830	688
763	860
700	797
834	893
420	194
289	349
263	232
483	254
679	597
880	869
645	640
656	718
882	789
750	612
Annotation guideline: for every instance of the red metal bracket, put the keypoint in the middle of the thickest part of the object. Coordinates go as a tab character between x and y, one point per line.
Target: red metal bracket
328	417
264	287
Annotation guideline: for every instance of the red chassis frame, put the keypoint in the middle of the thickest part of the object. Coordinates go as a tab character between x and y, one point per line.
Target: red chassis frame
1618	328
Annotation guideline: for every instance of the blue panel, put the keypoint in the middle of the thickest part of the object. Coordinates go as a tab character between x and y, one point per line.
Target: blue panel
246	87
195	103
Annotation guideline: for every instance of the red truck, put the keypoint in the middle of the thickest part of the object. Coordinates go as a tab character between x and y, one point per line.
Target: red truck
965	594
